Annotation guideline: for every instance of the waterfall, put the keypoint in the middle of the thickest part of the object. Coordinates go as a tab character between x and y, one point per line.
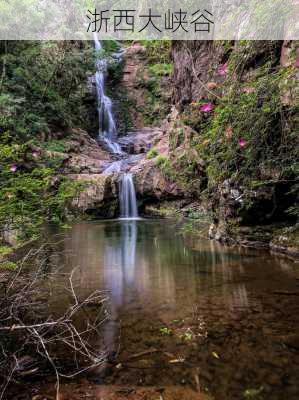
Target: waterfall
107	126
108	135
127	197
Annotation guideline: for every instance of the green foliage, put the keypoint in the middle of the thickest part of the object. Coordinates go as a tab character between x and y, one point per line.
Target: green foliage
8	265
255	394
165	331
158	51
250	136
43	86
42	91
31	192
161	160
111	46
256	117
59	146
166	167
152	153
158	70
4	251
59	204
153	79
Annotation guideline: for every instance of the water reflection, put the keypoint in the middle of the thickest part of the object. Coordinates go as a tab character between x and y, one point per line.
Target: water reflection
119	260
150	263
155	276
148	267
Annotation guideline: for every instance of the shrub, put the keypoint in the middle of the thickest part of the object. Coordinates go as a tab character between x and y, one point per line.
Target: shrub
152	153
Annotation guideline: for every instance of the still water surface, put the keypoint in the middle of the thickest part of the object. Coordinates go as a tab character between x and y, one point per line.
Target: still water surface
225	319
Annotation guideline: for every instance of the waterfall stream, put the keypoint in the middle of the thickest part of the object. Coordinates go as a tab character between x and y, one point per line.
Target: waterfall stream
127	198
107	126
108	135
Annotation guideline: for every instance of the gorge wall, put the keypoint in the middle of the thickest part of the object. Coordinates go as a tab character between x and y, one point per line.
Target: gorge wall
209	127
215	134
238	99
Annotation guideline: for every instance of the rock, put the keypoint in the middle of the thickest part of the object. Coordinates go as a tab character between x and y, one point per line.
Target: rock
9	235
151	183
134	61
140	141
85	155
191	76
212	231
99	196
286	241
82	164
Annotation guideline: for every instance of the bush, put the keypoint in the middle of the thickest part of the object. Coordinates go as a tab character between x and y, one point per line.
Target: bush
152	153
161	160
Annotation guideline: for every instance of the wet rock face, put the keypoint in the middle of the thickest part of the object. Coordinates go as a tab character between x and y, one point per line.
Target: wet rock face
253	218
83	161
191	69
99	195
85	155
134	61
140	141
150	183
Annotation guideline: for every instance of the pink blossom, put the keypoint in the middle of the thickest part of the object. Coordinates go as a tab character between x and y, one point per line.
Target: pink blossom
206	107
13	168
223	69
34	154
242	142
297	62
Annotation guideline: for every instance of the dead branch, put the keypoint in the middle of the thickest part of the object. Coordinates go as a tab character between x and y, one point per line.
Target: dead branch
32	339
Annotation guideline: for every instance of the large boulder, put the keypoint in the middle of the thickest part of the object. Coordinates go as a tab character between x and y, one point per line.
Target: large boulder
85	155
99	196
141	140
151	183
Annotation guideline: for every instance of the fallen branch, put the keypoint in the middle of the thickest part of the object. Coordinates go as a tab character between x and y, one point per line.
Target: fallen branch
31	339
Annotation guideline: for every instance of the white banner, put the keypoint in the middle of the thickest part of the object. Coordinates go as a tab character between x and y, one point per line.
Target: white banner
149	19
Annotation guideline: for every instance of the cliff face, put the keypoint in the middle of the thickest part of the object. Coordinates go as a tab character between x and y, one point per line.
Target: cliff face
239	101
195	63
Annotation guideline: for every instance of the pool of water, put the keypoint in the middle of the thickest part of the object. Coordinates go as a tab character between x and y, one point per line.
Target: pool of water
212	319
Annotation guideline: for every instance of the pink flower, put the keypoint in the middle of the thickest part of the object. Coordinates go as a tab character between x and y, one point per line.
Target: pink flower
242	142
223	69
13	168
34	154
206	107
297	62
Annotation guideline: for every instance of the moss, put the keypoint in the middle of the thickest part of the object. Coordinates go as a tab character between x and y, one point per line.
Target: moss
59	146
164	211
5	250
152	153
153	80
8	265
158	70
287	237
252	112
161	160
123	104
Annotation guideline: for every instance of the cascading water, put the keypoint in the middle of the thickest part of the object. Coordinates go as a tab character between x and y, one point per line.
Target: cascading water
108	135
127	197
107	126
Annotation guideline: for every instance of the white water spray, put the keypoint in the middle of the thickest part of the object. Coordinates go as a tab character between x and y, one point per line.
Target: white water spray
107	126
127	197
